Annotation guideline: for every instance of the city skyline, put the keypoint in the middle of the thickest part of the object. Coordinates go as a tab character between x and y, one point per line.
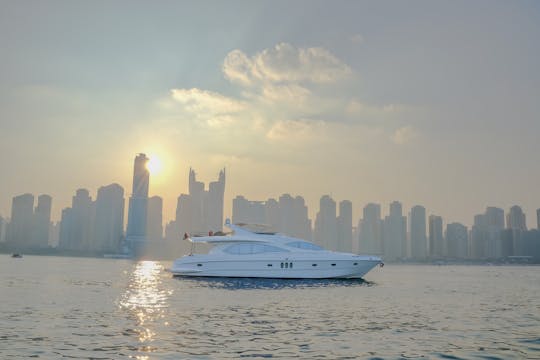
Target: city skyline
422	102
94	228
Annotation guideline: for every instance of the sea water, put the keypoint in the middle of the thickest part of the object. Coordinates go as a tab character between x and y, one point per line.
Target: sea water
61	307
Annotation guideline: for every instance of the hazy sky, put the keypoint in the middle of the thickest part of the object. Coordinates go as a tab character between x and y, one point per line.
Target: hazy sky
427	102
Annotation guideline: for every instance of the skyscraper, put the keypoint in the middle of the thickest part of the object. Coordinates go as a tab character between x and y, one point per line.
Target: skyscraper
326	223
2	229
213	203
42	222
515	219
154	224
511	238
246	211
395	233
77	224
370	230
457	241
288	215
344	226
495	224
303	223
109	221
478	244
200	211
19	231
436	241
138	202
417	228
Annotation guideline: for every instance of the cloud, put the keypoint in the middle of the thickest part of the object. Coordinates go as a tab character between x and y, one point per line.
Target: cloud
357	39
290	98
404	135
299	130
285	63
203	101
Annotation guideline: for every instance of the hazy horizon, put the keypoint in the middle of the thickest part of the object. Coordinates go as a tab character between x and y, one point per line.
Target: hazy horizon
427	103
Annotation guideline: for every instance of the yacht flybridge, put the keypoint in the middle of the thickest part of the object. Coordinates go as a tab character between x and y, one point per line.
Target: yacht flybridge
263	254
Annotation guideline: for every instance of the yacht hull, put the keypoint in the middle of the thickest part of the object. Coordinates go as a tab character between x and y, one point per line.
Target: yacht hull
352	266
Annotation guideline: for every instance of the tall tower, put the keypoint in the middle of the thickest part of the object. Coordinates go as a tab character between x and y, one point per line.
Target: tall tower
109	223
417	227
201	211
457	241
42	221
436	240
344	226
395	233
370	230
213	204
154	221
138	202
326	223
77	225
19	231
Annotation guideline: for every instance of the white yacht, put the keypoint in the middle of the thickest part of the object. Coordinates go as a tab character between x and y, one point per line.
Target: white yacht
263	254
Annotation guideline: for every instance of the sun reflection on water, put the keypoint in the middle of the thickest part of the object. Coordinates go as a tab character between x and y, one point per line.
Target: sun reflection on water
146	301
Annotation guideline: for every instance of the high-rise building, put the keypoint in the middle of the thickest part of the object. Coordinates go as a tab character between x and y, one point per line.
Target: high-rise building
436	241
395	233
19	231
530	245
486	241
273	216
495	224
370	230
213	203
109	221
344	226
515	219
326	224
288	215
457	241
303	223
42	222
2	229
516	226
200	211
154	224
138	203
246	211
478	244
77	224
417	228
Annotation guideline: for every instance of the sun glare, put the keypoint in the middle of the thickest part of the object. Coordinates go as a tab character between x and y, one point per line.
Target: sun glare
154	165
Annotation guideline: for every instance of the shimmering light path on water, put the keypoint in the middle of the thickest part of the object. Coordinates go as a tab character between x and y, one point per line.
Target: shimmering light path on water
54	307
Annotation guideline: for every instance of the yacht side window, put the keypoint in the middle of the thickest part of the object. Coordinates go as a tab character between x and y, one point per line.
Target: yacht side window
245	249
304	245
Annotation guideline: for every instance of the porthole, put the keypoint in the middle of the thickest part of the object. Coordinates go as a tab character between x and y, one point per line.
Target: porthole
333	264
355	264
286	265
199	264
269	265
290	265
282	265
313	264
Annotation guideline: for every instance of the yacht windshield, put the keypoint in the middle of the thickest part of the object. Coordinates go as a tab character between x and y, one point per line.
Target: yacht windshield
244	249
304	245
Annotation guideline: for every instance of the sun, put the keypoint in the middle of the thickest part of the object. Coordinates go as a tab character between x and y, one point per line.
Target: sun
154	165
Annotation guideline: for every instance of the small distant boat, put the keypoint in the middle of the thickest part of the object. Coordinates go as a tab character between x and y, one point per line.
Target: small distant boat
16	256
